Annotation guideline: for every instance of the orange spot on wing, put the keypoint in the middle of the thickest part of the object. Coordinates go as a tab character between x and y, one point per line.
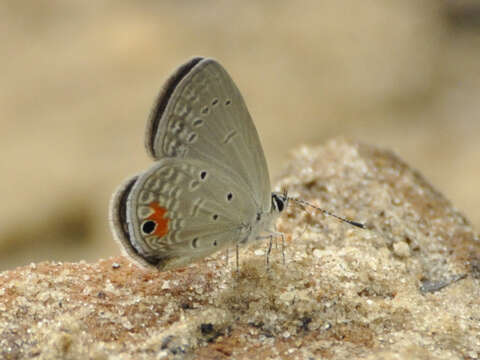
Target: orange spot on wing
159	217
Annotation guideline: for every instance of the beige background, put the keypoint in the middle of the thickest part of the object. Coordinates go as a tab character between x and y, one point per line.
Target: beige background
79	79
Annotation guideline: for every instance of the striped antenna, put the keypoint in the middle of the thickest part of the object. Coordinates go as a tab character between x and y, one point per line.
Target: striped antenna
326	212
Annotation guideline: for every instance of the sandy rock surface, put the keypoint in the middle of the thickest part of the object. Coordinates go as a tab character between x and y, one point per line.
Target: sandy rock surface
406	288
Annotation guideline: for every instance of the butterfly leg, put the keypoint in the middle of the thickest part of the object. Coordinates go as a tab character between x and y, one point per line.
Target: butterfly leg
282	235
276	235
236	255
269	250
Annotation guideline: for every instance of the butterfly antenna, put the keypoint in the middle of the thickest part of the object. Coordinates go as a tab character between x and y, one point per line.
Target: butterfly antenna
304	203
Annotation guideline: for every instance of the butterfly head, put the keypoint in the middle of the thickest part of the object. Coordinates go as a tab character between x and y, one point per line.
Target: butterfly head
279	201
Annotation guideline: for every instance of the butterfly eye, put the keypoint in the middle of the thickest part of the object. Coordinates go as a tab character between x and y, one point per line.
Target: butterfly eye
148	227
228	102
215	217
278	202
229	196
214	102
203	175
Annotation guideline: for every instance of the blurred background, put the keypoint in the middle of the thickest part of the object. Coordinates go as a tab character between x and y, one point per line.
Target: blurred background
79	79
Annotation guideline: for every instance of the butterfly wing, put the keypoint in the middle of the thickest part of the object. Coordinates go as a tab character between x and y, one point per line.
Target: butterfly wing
201	115
179	211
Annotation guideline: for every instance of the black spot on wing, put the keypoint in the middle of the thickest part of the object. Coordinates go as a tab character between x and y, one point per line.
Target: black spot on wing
120	214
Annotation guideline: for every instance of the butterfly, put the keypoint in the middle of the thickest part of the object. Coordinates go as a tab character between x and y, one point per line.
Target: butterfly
209	186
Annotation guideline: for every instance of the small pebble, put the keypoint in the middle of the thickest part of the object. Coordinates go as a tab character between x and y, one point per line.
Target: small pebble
259	252
401	249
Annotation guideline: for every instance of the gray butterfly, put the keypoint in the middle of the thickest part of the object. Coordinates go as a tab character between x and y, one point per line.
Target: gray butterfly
209	187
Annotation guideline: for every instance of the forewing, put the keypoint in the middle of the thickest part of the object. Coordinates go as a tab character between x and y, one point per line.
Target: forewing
179	211
200	114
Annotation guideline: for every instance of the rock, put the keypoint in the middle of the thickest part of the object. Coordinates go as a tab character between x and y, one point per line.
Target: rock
406	287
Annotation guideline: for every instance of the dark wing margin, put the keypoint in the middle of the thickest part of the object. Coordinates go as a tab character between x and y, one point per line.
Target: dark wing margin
119	225
162	101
